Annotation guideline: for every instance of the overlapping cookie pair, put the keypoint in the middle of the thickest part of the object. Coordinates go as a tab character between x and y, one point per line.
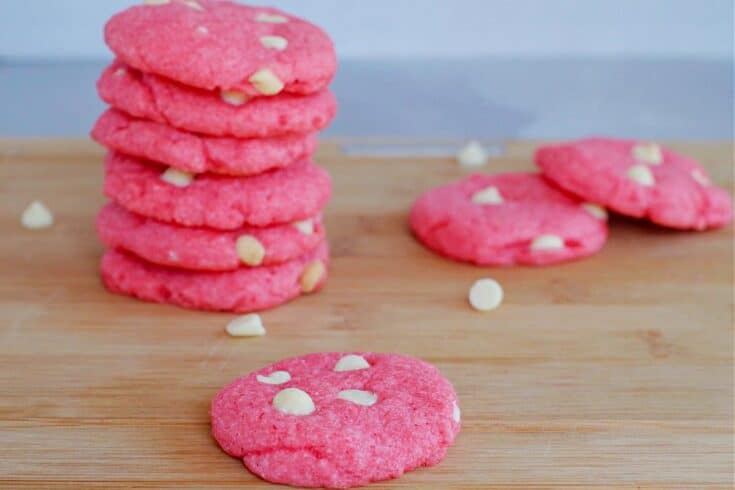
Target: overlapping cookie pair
561	213
215	201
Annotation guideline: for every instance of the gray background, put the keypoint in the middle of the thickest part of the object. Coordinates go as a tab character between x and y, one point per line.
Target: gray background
465	68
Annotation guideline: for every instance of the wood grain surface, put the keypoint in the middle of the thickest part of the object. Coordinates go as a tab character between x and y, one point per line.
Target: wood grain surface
613	372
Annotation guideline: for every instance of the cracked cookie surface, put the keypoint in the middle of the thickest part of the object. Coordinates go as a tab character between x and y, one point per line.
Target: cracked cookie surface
148	96
337	420
507	219
296	192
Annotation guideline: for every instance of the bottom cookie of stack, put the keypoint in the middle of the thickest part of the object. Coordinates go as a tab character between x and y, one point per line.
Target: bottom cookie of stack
242	290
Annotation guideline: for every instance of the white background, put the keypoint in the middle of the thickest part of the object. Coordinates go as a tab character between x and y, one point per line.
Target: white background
51	29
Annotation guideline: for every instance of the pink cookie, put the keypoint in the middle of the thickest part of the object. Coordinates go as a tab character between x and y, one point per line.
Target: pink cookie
197	153
203	248
220	45
294	193
642	180
337	420
506	219
157	99
241	290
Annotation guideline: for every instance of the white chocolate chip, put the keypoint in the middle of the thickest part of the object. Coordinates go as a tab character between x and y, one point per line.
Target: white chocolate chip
250	250
547	242
595	210
36	216
311	276
274	378
360	397
293	401
120	72
489	195
641	174
192	4
266	82
233	97
456	414
472	155
648	153
202	30
246	326
177	177
700	177
306	226
155	2
270	18
485	295
351	362
274	42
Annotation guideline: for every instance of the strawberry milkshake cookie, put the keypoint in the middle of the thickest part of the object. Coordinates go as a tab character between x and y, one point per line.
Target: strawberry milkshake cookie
337	420
242	290
507	219
203	248
151	97
637	179
294	193
197	153
224	46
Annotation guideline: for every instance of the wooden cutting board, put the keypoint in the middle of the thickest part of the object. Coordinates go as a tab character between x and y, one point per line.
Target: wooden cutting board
611	372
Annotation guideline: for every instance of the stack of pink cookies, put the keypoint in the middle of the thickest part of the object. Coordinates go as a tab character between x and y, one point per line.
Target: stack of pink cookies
216	203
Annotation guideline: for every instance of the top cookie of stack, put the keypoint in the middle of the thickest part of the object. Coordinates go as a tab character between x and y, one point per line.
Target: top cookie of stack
215	107
221	45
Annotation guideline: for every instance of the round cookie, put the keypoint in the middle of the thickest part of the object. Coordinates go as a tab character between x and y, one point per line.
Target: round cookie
242	290
337	420
507	219
203	248
197	153
642	180
224	45
151	97
294	193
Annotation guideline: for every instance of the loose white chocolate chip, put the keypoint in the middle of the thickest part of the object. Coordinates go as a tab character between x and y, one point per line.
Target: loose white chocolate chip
472	155
306	226
293	401
270	18
489	195
192	4
485	295
177	177
246	326
641	174
311	276
700	177
266	82
648	153
36	216
250	250
274	378
155	2
274	42
595	210
360	397
233	97
351	362
547	242
456	414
